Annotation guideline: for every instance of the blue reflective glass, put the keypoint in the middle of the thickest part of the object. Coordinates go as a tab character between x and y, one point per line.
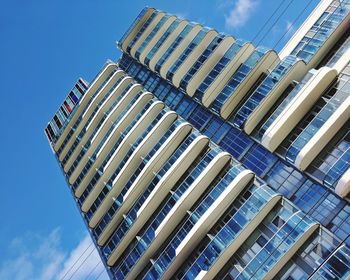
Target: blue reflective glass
322	30
291	95
237	78
194	43
263	90
140	32
218	68
173	46
201	60
161	40
151	36
149	232
80	118
137	171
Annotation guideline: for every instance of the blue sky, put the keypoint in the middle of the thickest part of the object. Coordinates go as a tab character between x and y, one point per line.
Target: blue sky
45	47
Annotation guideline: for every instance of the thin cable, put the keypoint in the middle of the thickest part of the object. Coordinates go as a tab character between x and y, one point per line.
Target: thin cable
91	271
98	277
75	262
277	19
75	271
268	20
277	57
254	69
291	25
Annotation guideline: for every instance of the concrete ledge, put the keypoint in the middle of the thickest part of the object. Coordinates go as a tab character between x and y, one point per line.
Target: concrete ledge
155	38
298	107
166	44
208	219
343	186
269	60
146	32
321	138
209	64
192	58
239	240
179	49
296	73
221	80
136	28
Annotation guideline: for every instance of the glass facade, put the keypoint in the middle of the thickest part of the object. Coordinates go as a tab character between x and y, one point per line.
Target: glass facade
301	189
189	49
80	118
131	216
218	68
283	104
224	233
159	215
94	115
151	36
147	235
140	32
91	161
237	78
239	117
161	40
110	182
201	60
173	46
323	28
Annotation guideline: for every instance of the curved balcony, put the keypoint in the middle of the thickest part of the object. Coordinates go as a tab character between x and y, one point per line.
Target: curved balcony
180	44
280	248
295	106
242	80
337	266
112	223
149	39
142	177
75	118
133	30
320	131
206	214
165	46
204	57
91	110
130	164
126	113
266	94
174	44
219	75
96	141
139	35
227	240
96	120
152	46
213	57
191	55
144	244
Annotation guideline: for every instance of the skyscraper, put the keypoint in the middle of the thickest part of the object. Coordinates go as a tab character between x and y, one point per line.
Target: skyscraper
198	155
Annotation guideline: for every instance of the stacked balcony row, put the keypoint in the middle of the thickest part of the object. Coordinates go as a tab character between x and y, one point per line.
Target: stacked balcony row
245	85
156	193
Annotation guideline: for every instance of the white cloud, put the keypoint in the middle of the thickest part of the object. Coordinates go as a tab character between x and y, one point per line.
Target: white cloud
91	258
240	13
38	257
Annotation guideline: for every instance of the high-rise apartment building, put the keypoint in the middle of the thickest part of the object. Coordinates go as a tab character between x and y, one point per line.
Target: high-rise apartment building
198	155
